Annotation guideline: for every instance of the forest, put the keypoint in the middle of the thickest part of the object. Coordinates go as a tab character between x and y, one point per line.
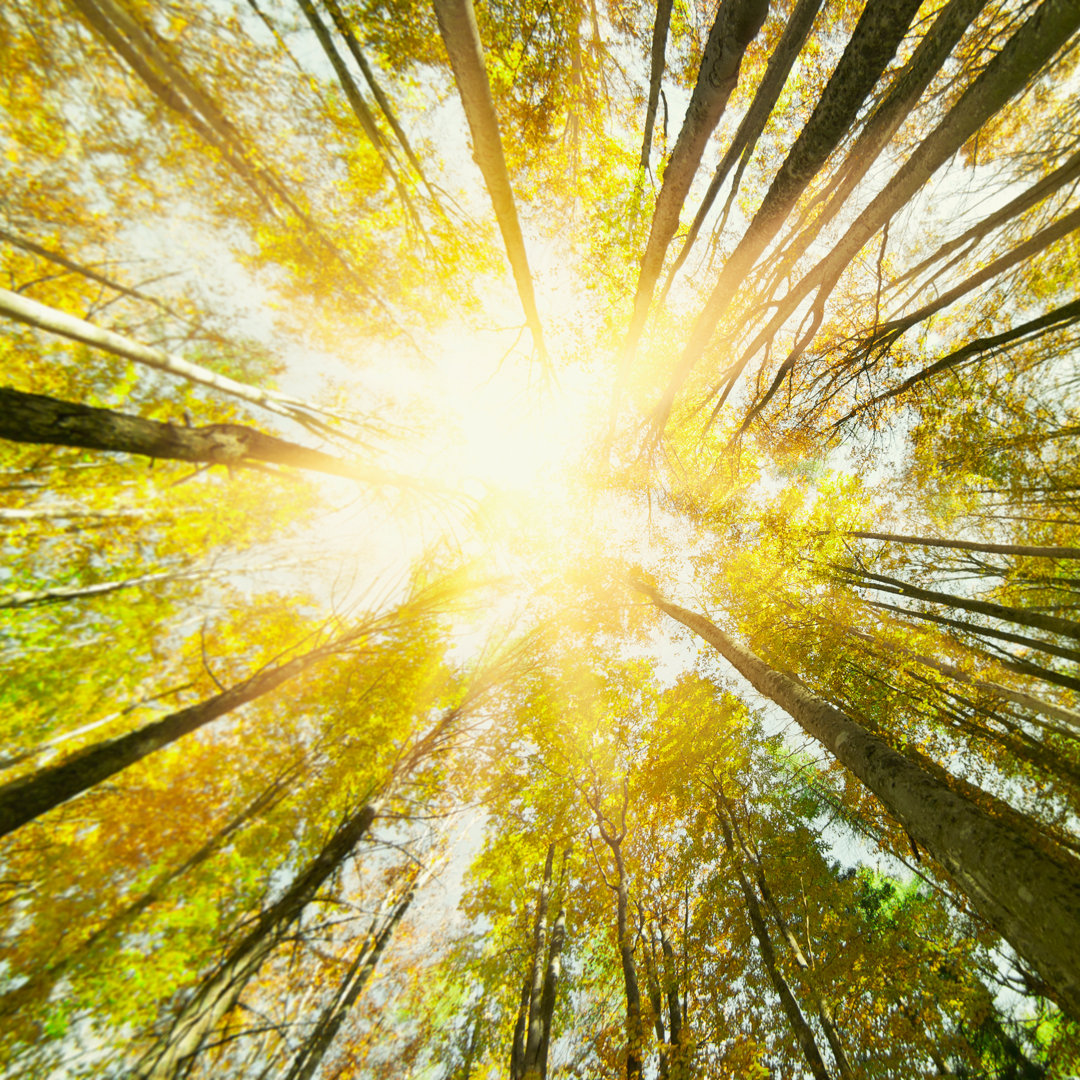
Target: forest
537	539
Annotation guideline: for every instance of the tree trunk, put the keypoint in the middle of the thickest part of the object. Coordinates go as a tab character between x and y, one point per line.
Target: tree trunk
873	43
656	74
36	990
1026	52
534	1025
63	594
34	418
345	30
220	992
1030	898
1059	319
310	1056
799	1027
457	24
973	545
1035	620
551	986
30	796
902	96
736	24
56	322
781	61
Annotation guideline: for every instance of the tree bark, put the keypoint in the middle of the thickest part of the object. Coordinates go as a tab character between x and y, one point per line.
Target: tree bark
30	796
656	74
222	989
1059	319
345	30
534	1025
972	545
878	33
799	1027
902	96
310	1055
34	418
781	61
1035	620
1023	56
62	594
28	311
457	24
736	24
38	987
1030	898
551	986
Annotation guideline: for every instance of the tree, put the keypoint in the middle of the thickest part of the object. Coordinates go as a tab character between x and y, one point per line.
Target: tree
252	716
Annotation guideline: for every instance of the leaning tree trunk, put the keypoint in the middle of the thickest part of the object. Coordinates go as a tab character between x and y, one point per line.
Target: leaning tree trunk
873	43
1023	56
973	545
799	1027
1030	897
310	1055
36	419
736	24
457	24
25	310
551	987
30	796
781	61
220	992
656	74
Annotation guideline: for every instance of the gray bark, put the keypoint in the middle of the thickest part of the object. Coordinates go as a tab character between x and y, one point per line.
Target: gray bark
1022	57
736	25
56	322
1058	319
220	992
457	24
534	1030
973	545
873	43
656	74
781	61
30	796
34	418
799	1027
551	987
902	96
308	1059
1029	897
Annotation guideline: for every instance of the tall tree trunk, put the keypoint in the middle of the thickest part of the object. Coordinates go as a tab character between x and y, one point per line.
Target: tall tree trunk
781	61
1035	620
34	418
1029	897
614	837
345	30
534	1025
879	31
28	311
63	594
221	990
38	987
736	24
799	1027
30	796
457	24
996	344
901	97
972	545
551	986
1022	57
310	1055
656	74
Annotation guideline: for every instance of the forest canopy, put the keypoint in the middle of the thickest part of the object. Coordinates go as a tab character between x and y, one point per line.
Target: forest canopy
540	539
